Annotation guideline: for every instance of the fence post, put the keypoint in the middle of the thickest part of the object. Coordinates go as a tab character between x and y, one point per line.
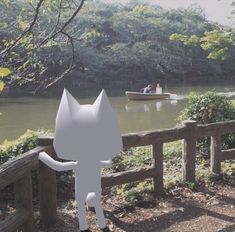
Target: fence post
215	150
158	185
47	189
23	198
189	151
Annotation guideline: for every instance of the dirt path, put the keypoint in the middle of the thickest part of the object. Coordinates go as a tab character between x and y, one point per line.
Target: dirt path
182	211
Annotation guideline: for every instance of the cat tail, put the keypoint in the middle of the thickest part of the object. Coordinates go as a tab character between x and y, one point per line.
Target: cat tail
56	165
92	199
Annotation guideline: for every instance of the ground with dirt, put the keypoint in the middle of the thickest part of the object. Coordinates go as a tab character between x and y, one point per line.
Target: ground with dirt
180	210
205	206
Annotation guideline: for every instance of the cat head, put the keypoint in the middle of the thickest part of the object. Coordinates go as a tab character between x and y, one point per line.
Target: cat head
85	132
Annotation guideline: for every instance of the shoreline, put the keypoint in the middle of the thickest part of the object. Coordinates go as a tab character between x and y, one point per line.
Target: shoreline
116	86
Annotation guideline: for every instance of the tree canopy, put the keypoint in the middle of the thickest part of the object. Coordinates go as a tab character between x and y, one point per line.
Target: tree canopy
46	42
219	42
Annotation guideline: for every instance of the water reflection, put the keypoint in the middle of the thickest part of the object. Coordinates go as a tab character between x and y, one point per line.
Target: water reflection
148	106
230	94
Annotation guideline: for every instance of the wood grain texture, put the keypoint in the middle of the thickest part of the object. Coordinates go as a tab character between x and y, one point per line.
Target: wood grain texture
139	139
189	152
227	154
14	221
219	128
23	198
215	156
16	168
158	185
128	176
47	192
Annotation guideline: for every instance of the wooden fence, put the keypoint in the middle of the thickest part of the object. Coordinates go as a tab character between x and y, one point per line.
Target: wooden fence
18	170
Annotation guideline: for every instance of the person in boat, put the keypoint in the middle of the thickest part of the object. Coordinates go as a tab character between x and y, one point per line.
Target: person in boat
158	89
147	89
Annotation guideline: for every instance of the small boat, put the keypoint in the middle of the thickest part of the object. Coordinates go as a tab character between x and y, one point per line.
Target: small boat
146	96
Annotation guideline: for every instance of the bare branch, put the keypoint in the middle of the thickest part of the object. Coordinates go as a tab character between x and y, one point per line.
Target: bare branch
61	30
73	16
58	31
58	17
26	31
51	35
71	66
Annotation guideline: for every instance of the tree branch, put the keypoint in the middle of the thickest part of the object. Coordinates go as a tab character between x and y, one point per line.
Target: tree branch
65	24
39	40
73	16
26	31
71	66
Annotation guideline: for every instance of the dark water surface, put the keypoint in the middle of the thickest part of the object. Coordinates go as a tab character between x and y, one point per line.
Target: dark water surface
20	114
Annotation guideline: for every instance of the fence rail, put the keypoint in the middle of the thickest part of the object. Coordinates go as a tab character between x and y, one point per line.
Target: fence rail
18	170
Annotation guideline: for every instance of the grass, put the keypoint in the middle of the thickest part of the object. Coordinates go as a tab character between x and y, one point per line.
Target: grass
142	156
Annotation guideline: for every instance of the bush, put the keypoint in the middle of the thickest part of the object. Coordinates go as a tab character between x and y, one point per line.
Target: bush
10	149
26	142
208	108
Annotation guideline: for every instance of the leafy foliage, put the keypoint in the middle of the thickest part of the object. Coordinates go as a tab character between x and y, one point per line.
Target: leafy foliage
134	192
142	156
11	149
26	142
3	73
110	41
134	157
208	108
1	86
218	43
192	40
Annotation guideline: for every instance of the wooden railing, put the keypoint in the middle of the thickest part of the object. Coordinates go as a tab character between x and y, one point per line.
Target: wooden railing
18	170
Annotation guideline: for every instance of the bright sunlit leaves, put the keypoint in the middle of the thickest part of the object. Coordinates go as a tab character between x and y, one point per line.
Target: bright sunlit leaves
23	25
217	43
1	86
4	72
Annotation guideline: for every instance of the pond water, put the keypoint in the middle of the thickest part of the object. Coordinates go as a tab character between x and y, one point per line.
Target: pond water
20	114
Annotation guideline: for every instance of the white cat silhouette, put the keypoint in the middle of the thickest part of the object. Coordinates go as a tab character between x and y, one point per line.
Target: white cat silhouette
89	135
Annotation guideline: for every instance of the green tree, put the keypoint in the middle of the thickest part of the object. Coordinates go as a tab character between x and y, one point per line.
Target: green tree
106	41
217	43
208	108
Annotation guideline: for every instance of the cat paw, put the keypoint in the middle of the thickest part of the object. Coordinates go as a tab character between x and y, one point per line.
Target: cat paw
43	156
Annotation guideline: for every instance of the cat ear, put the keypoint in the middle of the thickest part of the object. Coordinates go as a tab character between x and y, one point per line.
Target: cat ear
71	101
68	106
102	104
111	138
